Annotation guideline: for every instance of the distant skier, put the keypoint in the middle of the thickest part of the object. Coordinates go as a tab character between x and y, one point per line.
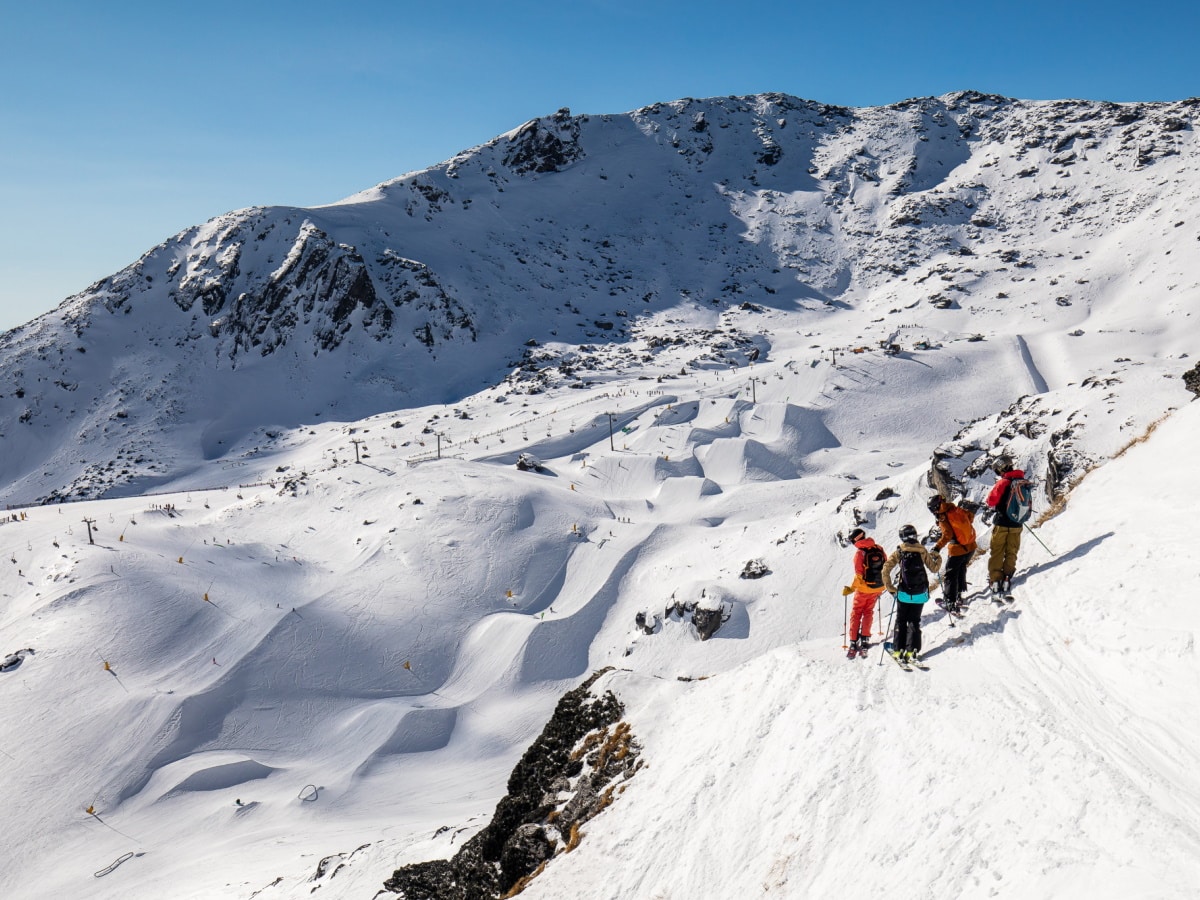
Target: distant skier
1010	499
958	534
866	587
911	589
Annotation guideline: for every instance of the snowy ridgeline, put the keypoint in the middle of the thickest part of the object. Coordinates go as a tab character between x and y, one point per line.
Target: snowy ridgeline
542	259
314	655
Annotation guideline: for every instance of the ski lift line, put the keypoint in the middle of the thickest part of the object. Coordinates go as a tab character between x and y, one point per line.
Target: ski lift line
525	422
524	425
16	507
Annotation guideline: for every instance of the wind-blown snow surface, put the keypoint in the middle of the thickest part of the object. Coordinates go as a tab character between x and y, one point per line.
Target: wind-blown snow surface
359	652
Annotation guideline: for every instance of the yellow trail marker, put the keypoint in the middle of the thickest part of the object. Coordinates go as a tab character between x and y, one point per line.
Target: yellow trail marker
408	665
91	810
508	594
107	667
206	600
180	560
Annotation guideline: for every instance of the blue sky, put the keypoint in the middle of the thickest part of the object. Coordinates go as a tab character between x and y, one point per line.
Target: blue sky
123	123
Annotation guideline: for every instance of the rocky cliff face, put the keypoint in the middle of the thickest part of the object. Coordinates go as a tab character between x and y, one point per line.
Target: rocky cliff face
568	775
570	230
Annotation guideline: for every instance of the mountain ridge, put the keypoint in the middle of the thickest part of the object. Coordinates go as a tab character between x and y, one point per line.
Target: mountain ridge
568	230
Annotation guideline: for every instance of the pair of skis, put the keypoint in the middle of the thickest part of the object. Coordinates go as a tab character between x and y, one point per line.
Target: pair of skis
907	664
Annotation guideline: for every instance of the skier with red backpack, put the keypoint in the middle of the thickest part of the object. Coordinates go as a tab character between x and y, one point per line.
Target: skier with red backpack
1011	498
911	589
958	534
866	588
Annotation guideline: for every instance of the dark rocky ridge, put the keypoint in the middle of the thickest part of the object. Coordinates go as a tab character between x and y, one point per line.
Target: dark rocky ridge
569	774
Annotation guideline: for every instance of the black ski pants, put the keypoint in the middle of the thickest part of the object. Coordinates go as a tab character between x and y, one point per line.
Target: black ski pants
954	581
908	626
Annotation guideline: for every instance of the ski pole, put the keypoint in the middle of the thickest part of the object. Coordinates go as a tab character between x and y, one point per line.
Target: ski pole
1038	539
845	618
883	644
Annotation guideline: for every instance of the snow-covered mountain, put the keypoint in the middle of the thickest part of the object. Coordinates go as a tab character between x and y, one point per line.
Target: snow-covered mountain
566	234
729	330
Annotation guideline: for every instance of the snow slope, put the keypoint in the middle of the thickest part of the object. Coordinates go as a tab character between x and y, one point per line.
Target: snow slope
1051	750
358	652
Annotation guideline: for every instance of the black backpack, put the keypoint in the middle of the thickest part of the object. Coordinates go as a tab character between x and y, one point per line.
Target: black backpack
913	579
873	560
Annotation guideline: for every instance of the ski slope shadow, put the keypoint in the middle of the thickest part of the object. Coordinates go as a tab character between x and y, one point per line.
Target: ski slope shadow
559	649
1036	380
419	731
220	776
1082	550
789	434
979	630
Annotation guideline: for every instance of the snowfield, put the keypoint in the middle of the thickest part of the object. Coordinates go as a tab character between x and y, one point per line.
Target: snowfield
305	650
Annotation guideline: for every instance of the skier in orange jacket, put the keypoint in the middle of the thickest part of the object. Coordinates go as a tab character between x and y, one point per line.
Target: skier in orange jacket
958	532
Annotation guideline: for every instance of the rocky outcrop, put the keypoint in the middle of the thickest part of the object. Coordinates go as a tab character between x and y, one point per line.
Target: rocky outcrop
568	775
754	568
545	145
707	612
1191	379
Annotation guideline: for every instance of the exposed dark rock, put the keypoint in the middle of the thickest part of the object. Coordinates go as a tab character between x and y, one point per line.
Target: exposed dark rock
754	568
527	462
15	659
1191	379
707	614
583	749
545	145
707	621
526	849
648	626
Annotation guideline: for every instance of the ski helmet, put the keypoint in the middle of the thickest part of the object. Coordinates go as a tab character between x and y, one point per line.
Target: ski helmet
908	534
1002	464
935	504
857	535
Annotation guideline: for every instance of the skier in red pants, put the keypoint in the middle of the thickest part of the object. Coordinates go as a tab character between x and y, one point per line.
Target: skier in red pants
866	587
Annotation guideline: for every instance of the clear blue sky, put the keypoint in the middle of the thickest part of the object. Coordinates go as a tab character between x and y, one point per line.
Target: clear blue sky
124	122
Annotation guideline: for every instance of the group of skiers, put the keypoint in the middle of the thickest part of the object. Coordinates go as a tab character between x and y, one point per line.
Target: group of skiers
904	573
